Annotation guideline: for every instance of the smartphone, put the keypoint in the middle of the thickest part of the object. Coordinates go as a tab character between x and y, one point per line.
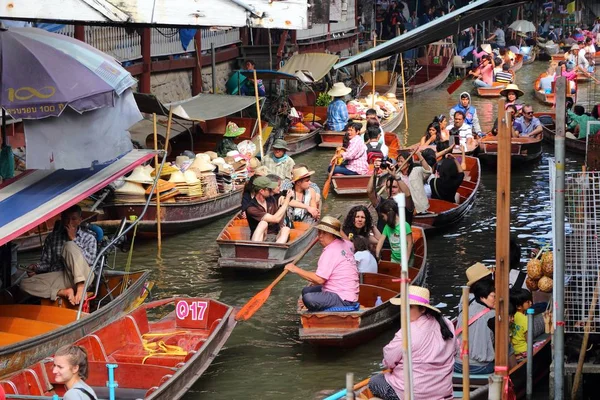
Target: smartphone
457	140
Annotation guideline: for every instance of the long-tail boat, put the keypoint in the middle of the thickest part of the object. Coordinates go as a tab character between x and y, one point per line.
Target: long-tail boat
350	328
239	252
154	359
430	75
492	91
28	333
522	149
548	121
443	213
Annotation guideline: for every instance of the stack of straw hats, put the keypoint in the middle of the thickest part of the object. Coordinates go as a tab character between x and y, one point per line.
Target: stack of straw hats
167	190
130	192
140	175
186	183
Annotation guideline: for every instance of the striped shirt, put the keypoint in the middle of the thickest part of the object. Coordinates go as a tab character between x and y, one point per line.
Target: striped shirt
504	77
337	115
282	168
52	259
432	360
356	156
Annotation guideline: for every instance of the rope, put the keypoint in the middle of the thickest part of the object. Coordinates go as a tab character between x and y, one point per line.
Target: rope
160	348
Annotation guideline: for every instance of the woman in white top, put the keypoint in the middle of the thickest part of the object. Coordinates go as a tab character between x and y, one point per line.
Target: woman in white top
71	368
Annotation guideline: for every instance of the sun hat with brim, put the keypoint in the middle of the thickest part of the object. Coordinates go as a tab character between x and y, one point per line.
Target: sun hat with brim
235	155
339	90
511	87
477	272
180	160
280	144
331	225
575	47
487	48
191	177
202	164
202	156
211	154
162	186
262	182
254	163
140	175
417	296
233	130
301	173
132	188
177	177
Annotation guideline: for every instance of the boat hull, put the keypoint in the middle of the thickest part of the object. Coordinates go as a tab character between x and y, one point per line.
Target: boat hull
572	145
350	184
19	355
427	80
518	62
302	142
522	150
178	217
493	91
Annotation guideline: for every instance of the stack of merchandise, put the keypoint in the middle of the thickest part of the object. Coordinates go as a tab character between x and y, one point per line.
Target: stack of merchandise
166	171
187	184
203	169
133	191
166	189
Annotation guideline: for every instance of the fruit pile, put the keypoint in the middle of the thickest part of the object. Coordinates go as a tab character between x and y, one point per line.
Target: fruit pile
539	272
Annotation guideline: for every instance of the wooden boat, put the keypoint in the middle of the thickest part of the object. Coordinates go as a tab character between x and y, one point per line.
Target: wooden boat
581	77
176	217
385	82
493	91
573	145
430	75
335	139
558	57
344	329
154	359
518	62
34	239
239	252
28	333
443	213
548	98
531	56
523	149
350	184
304	102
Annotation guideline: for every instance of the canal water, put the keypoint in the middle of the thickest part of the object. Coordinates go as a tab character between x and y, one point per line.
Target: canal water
263	359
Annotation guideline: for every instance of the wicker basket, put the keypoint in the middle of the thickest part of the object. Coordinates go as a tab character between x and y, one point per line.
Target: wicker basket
210	187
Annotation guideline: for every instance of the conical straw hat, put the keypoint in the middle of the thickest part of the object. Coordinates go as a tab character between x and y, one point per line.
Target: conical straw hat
190	177
140	175
132	188
162	186
177	177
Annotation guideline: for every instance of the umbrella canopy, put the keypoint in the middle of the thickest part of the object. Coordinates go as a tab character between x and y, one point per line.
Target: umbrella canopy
43	73
522	26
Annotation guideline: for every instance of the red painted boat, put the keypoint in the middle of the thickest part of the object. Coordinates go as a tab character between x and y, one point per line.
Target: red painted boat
430	75
443	213
155	359
345	329
522	149
518	62
239	252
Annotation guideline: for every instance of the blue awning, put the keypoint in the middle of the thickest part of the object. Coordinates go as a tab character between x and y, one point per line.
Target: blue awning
440	28
37	195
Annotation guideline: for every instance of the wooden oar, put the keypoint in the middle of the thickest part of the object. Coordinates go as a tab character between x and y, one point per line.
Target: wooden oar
359	385
255	303
328	181
452	88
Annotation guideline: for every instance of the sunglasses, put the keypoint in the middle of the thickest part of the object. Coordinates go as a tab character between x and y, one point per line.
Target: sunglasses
528	112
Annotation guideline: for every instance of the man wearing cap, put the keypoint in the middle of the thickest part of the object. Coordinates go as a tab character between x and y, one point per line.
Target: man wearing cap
226	145
337	111
265	217
278	162
66	258
335	283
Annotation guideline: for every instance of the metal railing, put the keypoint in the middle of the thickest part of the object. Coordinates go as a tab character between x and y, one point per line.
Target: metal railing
125	44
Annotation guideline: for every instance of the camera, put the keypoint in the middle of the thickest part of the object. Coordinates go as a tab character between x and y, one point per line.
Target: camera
284	193
385	163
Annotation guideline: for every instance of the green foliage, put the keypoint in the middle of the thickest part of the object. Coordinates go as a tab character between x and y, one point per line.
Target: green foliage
323	100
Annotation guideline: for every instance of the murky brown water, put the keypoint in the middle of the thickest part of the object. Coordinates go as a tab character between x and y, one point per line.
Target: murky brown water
263	359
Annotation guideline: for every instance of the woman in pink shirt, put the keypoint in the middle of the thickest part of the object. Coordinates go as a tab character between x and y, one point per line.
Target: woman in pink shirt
433	347
485	72
355	156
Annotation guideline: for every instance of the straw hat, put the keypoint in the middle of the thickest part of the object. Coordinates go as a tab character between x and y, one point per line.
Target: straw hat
211	154
477	272
167	169
339	90
180	160
261	171
300	173
487	48
235	155
162	186
254	163
177	177
417	296
233	130
511	87
202	156
219	161
330	224
575	47
132	188
140	175
280	144
203	164
190	177
149	168
246	147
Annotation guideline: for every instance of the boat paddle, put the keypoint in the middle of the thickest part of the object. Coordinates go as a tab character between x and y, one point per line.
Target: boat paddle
359	385
255	303
327	184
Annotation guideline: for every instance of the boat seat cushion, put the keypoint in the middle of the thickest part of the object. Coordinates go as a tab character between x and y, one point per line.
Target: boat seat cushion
352	308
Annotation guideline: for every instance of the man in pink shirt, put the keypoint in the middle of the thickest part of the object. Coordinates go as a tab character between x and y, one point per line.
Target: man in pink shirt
335	283
485	73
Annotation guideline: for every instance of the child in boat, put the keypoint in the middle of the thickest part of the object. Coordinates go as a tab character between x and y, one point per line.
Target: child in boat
389	213
364	259
522	300
71	369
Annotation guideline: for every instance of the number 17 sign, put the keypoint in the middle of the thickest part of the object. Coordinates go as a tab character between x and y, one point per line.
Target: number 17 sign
193	310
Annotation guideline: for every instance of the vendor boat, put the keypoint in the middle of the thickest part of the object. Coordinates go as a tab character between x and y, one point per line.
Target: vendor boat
153	359
492	91
351	328
385	82
518	64
548	121
239	252
304	103
443	213
522	149
178	216
430	75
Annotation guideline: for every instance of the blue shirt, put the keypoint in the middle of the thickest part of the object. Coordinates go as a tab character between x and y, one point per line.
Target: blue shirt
337	115
527	129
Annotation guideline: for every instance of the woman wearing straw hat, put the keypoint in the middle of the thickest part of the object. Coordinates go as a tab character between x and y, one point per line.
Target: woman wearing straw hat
433	347
335	282
512	94
337	111
226	145
278	162
305	204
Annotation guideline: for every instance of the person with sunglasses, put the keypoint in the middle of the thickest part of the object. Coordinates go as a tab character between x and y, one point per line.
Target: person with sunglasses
530	125
265	217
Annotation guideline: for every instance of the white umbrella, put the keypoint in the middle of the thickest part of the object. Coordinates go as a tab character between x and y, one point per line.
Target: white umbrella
522	26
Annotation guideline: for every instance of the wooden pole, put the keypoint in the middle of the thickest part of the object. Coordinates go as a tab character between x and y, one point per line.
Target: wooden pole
197	72
502	243
349	386
260	138
156	167
373	73
404	94
465	343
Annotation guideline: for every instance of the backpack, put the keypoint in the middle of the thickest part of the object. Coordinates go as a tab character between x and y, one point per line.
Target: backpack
373	153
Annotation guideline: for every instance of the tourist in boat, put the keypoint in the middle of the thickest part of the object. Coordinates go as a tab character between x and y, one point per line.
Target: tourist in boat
432	135
590	53
335	283
365	261
354	157
498	37
358	222
484	74
546	81
582	62
505	76
443	141
305	203
264	215
389	213
463	130
247	88
278	161
578	126
68	252
516	126
226	144
450	174
433	348
530	125
469	112
71	369
569	74
337	111
419	180
512	94
375	147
